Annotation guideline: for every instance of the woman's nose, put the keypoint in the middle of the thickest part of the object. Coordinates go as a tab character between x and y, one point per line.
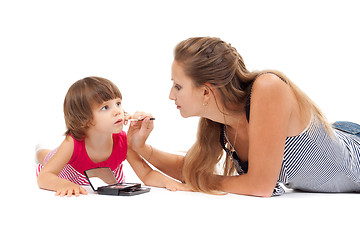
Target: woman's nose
171	95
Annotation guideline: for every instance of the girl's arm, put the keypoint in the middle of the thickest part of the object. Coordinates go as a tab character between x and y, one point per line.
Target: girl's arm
272	102
170	164
48	177
151	177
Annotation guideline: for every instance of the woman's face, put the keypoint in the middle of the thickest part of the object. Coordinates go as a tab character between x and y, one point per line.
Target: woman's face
188	98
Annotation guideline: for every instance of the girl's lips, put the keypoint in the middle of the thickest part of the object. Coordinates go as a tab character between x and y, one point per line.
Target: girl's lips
120	121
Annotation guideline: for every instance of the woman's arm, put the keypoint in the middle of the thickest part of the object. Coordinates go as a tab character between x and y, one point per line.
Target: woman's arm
272	104
170	164
48	177
151	177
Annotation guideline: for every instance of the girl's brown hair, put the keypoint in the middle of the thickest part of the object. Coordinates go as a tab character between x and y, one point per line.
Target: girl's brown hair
213	61
79	102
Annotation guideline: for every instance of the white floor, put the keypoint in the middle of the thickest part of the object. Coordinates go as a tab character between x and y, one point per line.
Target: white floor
161	214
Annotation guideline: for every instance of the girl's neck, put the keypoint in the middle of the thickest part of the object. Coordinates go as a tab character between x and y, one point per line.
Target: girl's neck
98	146
98	138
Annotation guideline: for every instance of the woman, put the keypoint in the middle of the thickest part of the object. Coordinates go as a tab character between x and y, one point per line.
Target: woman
270	130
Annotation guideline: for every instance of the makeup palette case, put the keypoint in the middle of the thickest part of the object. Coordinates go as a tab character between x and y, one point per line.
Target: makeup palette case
103	181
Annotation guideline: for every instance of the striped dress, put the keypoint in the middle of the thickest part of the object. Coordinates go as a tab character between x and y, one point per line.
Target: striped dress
315	161
80	161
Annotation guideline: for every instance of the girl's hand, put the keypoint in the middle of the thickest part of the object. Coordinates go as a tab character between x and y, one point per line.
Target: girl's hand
69	189
139	131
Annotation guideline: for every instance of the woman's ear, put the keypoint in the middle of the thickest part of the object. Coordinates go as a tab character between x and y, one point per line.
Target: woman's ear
207	88
206	94
206	91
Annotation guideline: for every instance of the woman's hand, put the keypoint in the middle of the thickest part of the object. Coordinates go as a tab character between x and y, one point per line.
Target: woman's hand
177	186
139	131
68	189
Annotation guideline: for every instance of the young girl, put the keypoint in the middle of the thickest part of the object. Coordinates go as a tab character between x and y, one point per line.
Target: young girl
94	119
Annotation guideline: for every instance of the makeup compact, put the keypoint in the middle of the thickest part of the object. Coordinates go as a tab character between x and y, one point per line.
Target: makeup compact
103	181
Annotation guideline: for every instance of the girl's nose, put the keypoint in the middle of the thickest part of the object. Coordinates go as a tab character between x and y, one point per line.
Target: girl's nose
117	112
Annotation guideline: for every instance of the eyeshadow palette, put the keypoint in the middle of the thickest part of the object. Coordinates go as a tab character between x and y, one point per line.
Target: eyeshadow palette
103	181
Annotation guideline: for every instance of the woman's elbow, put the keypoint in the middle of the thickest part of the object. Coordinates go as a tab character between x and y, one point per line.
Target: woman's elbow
265	191
264	194
255	192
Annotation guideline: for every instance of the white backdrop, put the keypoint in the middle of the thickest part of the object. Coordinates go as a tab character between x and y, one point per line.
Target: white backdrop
45	46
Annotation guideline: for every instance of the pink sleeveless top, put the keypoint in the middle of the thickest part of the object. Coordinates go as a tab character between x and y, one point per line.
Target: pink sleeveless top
80	161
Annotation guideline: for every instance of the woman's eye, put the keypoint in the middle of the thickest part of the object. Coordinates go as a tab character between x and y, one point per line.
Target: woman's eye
177	87
104	108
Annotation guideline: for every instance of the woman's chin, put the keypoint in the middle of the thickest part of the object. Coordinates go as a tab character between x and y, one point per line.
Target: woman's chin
184	115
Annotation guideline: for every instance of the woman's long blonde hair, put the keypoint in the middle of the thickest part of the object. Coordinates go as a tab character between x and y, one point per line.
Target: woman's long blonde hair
213	61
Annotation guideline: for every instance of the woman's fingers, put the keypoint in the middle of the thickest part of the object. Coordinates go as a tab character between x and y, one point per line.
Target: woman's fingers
146	127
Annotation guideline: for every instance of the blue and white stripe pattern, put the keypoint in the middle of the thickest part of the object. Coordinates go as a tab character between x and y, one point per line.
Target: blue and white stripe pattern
315	161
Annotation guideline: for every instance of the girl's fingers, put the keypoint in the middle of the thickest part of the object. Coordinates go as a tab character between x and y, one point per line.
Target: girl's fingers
76	192
83	191
71	191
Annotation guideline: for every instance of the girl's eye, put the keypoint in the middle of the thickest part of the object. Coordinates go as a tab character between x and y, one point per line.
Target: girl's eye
118	104
106	107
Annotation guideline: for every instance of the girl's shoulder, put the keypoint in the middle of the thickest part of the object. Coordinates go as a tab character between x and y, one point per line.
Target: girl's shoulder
120	138
69	141
120	135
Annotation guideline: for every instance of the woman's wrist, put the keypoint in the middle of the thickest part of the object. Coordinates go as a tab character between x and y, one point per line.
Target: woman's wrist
146	151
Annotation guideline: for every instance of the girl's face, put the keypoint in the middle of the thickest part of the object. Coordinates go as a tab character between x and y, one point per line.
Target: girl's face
188	98
108	117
